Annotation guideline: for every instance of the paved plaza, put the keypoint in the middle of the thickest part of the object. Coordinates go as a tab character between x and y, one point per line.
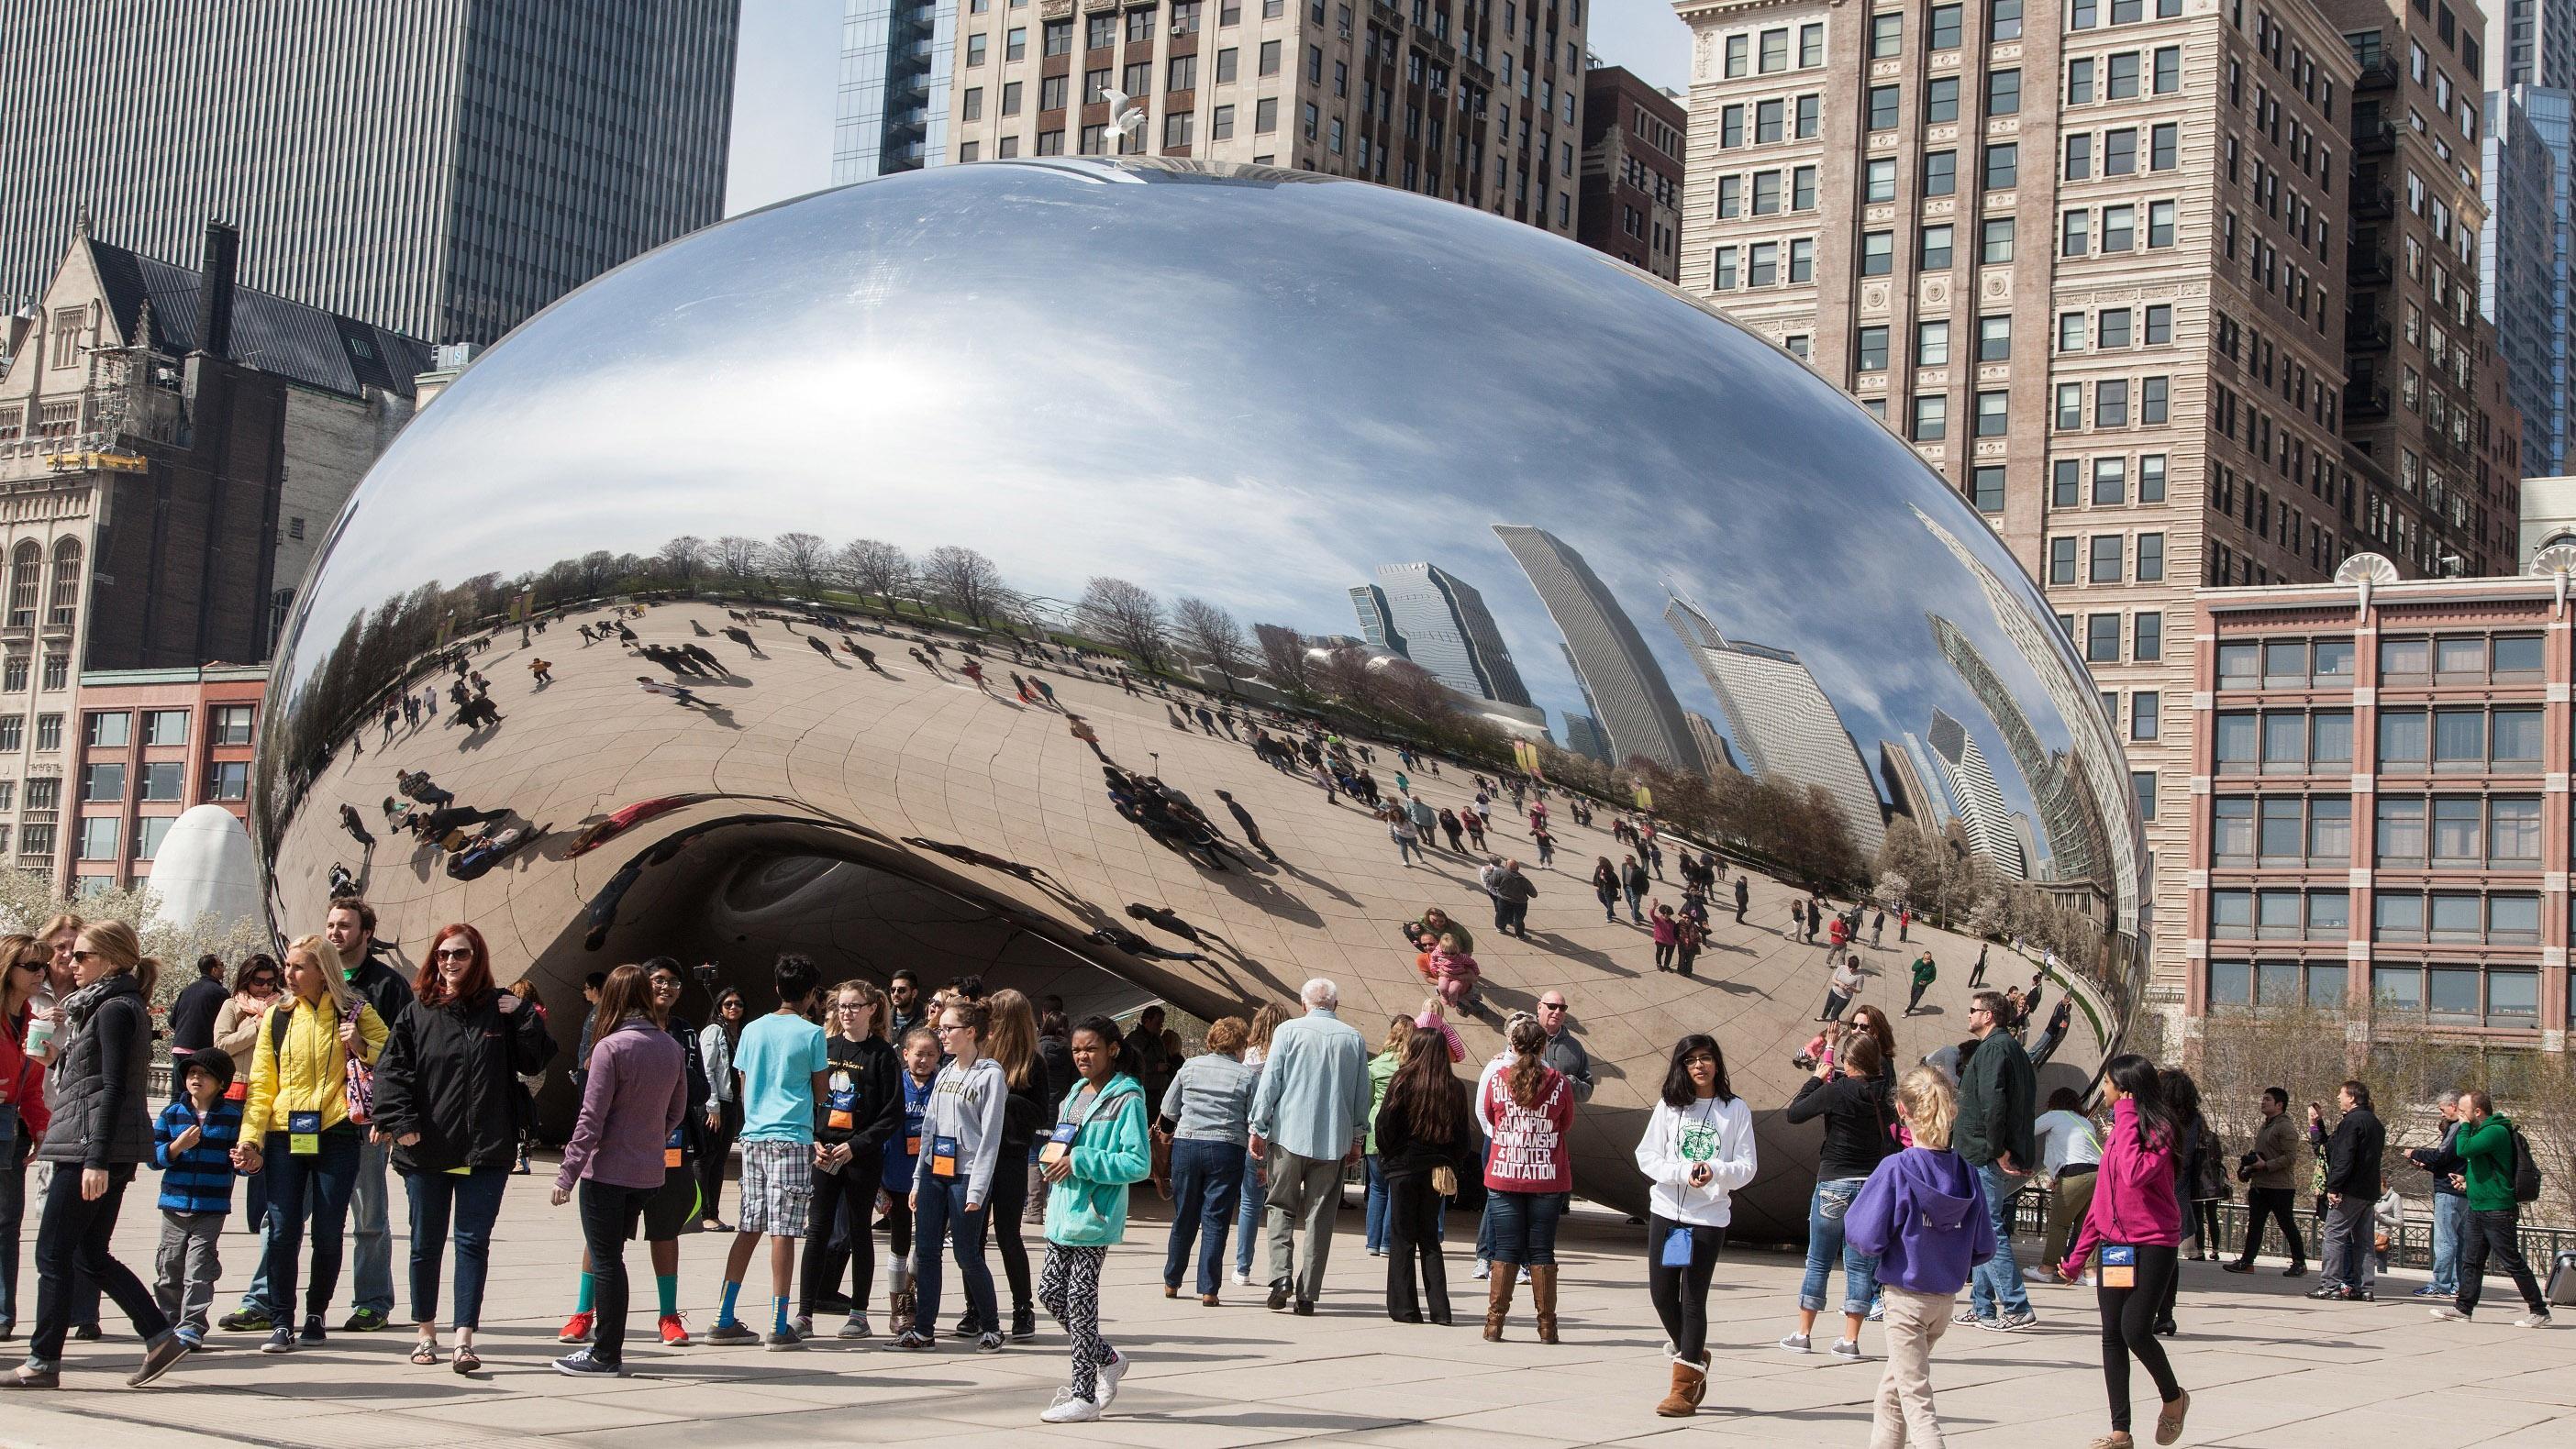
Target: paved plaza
2265	1366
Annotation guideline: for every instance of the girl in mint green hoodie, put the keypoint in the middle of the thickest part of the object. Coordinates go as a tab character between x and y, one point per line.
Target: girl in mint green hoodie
1097	1149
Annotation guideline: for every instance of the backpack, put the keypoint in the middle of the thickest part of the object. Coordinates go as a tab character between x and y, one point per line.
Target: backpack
2209	1169
2526	1169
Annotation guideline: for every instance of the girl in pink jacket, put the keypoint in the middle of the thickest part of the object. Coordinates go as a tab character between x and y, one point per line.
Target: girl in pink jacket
2136	1223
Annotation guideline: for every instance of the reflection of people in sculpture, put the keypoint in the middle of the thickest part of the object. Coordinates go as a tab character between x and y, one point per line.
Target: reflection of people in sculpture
817	645
1166	919
543	672
742	637
677	692
1135	945
357	828
1243	821
416	785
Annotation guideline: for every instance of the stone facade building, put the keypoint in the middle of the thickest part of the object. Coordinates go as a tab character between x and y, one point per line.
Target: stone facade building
1476	101
1634	139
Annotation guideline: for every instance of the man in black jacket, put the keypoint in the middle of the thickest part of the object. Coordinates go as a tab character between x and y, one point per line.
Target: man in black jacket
192	1015
2352	1187
1998	1102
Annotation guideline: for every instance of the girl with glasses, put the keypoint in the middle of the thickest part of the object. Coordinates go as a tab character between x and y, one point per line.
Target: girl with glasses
862	1109
952	1186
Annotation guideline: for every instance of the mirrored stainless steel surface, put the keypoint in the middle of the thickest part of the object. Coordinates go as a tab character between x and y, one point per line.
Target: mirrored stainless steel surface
1139	440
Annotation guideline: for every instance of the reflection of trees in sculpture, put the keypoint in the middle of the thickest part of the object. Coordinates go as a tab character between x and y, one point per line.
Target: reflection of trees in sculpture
1210	633
744	562
803	558
965	580
1795	830
1283	658
874	566
1127	618
681	558
1346	676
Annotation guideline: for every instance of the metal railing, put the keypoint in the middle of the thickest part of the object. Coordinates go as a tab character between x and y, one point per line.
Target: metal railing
2412	1246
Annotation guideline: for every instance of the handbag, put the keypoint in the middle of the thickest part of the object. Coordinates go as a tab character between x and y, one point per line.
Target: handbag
358	1087
1444	1180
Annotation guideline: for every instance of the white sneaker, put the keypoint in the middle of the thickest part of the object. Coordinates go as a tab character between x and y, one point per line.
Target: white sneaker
1484	1269
2449	1314
2532	1320
1847	1349
1525	1277
1797	1343
1242	1279
1070	1408
2037	1275
1108	1375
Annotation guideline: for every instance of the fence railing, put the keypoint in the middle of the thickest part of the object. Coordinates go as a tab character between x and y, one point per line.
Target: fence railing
2410	1247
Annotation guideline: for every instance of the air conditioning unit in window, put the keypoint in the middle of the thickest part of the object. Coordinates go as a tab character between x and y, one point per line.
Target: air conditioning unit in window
1346	32
1180	28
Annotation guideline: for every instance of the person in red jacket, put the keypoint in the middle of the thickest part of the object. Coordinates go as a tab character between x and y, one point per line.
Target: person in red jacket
2136	1222
1527	1108
23	1116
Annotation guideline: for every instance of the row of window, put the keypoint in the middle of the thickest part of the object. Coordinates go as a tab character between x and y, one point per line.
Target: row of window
2499	738
1771	192
2113	229
114	728
2101	636
2111	397
2103	557
2118	76
27	565
2446	994
1770	49
2115	152
2413	832
2403	659
158	780
2456	918
15	669
2111	478
98	836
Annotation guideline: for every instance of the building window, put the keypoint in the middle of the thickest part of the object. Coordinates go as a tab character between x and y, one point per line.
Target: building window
102	784
2003	20
58	671
49	736
1270	57
2111	403
1886	36
975	48
2159	324
1871	351
2110	480
110	729
2003	93
2079	82
230	780
1931	418
1802	262
1994	338
232	724
1015	43
1885	107
2003	165
1995	242
1940	173
2074	234
2151	558
1880	180
2119	228
1935	249
2070	406
2102	638
2142	714
2147	638
2151	399
13	736
64	599
1721	272
1941	101
163	780
1877	253
25	577
149	833
2151	478
1994	414
2164	147
2108	549
2061	560
1986	489
98	834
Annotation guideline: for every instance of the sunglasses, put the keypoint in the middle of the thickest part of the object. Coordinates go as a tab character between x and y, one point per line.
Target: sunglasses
455	953
84	955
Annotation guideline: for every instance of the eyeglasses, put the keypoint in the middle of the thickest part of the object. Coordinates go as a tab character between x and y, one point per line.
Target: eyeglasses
850	1006
455	953
945	1030
1699	1061
29	965
84	955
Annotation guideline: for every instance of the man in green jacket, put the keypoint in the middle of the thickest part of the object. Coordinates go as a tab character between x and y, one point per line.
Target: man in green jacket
1924	972
2484	1145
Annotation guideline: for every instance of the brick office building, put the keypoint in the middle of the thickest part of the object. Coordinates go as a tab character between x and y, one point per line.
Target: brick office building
1634	136
151	744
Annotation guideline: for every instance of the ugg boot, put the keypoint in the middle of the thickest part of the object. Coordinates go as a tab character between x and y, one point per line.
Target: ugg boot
1543	1298
899	1298
1690	1381
1498	1298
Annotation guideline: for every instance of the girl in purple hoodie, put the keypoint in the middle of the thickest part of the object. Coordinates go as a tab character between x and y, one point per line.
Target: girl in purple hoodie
1924	1214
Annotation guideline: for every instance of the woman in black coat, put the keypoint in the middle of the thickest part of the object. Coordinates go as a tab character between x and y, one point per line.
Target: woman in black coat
861	1111
102	1127
447	1095
1422	1126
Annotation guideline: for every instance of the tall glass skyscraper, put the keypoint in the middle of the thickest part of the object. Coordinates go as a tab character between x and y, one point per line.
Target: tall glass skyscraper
1631	701
2529	180
442	168
892	114
1440	622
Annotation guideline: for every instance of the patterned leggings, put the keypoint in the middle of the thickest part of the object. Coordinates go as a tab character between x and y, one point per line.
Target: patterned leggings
1069	1286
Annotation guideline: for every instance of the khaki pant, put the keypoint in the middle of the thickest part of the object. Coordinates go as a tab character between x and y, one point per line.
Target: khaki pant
2068	1202
1905	1418
1305	1195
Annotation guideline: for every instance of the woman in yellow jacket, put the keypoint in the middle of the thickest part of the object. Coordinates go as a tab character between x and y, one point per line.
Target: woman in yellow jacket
296	1126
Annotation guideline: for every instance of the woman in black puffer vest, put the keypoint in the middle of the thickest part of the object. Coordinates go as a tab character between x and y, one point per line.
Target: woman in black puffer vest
99	1090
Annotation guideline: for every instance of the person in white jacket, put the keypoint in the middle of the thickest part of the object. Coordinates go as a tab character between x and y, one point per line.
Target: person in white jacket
961	1141
1697	1151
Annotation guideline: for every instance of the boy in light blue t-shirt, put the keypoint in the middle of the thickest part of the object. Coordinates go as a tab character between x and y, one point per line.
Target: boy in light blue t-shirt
784	1063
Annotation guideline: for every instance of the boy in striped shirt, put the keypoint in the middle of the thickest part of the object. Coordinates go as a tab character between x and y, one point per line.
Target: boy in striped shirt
192	1144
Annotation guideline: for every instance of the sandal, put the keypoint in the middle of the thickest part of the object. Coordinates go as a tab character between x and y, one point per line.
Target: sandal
466	1361
425	1352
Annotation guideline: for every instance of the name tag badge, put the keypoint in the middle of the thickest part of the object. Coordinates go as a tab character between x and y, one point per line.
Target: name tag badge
842	1105
304	1133
672	1149
1059	1143
1677	1248
2119	1267
943	1157
912	1145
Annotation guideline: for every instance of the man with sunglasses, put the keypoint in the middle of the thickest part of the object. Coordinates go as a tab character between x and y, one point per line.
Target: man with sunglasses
1997	1109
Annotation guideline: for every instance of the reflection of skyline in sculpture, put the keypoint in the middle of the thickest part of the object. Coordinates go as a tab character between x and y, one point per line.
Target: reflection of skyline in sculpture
1981	813
1440	622
1712	745
1787	728
1583	737
2065	785
1377	617
1631	701
1907	794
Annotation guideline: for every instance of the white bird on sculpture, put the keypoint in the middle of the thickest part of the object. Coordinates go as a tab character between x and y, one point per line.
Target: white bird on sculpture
1128	119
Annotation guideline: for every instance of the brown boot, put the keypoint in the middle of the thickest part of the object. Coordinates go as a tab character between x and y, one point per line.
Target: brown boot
1689	1383
1543	1298
1498	1298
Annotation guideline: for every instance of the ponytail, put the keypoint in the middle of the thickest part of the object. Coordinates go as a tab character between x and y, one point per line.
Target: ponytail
1528	1074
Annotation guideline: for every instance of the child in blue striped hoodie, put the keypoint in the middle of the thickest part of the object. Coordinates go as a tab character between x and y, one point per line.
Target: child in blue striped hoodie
192	1144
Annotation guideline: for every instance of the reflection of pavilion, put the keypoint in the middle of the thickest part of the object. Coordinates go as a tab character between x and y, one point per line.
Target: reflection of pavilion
1784	722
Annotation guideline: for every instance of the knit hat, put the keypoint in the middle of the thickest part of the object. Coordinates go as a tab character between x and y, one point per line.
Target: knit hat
216	1064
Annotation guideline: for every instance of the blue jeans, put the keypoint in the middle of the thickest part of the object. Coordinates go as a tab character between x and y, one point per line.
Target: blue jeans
1998	1279
318	1186
2450	1211
1206	1175
371	1239
473	1201
1825	1242
1524	1225
1406	850
943	1214
1254	1199
1376	1205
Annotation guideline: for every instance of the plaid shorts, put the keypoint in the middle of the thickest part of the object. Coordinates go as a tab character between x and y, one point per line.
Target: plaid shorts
777	1188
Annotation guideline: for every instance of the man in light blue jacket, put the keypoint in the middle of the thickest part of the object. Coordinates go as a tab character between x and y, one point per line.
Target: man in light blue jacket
1308	1116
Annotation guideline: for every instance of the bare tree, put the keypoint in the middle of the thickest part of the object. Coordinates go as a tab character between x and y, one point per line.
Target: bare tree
874	566
1283	658
1211	633
597	570
1126	617
1411	689
802	557
964	580
682	557
745	561
1345	674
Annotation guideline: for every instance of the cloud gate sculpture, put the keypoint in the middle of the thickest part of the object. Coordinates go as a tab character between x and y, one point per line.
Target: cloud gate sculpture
658	632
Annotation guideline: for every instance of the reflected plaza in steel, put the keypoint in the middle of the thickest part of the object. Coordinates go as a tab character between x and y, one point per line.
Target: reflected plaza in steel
1135	431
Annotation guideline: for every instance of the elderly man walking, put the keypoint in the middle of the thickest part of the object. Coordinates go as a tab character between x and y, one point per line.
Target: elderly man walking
1308	1116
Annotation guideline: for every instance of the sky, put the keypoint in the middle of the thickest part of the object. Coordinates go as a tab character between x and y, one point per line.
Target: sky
790	49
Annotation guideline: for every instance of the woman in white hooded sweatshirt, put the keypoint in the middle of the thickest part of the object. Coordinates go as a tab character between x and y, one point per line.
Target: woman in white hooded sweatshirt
961	1132
1697	1151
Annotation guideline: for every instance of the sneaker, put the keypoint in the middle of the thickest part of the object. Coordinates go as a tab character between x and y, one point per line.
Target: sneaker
1024	1324
2325	1291
675	1334
1877	1311
2037	1274
249	1320
968	1325
783	1338
989	1342
159	1359
913	1340
2234	1266
312	1333
732	1335
191	1337
2012	1322
577	1329
1484	1269
1972	1318
1377	1252
1797	1343
87	1333
2295	1270
1069	1408
1848	1350
580	1365
365	1320
1242	1279
1109	1375
281	1339
2429	1291
2532	1320
804	1323
1525	1276
2449	1314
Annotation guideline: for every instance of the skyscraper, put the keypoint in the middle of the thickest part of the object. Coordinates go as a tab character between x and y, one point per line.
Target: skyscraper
1631	700
1445	627
1377	617
2535	46
2528	176
892	109
1982	816
1784	721
442	168
1908	794
1583	737
1712	745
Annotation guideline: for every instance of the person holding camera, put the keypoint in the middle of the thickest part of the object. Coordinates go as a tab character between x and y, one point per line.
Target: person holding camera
1697	1153
1848	1093
2270	1174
